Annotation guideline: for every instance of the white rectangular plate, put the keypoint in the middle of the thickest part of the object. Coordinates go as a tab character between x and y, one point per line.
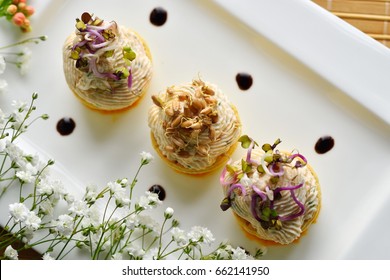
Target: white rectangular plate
289	99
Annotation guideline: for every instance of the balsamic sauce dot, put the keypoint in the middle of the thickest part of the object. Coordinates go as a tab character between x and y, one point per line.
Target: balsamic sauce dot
65	126
244	81
324	144
158	16
158	190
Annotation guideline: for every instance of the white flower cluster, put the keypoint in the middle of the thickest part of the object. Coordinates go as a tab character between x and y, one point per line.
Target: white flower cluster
22	62
20	213
10	253
20	58
148	201
108	223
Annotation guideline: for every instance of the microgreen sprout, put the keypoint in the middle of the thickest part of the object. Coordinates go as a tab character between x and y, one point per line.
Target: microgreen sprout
262	202
96	42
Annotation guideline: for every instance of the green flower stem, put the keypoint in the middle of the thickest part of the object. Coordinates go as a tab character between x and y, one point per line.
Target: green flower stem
6	187
105	210
182	248
134	182
70	238
5	128
20	192
125	217
3	163
115	243
7	239
165	248
104	229
151	243
44	117
128	239
35	40
5	172
12	53
70	250
160	238
37	180
19	131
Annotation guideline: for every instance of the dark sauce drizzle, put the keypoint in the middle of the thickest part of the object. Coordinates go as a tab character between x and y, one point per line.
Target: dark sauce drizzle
158	16
158	190
244	81
324	144
65	126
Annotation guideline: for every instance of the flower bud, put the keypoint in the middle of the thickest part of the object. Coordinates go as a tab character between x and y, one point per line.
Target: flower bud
146	157
22	6
12	9
168	213
26	23
29	10
18	19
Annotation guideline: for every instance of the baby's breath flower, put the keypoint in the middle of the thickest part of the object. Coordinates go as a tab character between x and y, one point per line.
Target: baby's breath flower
179	236
151	254
47	257
135	251
44	187
58	189
148	222
32	221
19	105
132	221
224	253
91	193
18	211
79	208
69	198
201	235
168	213
46	207
64	225
23	61
146	158
13	151
93	218
114	187
25	176
239	254
121	199
124	182
149	200
18	121
28	235
10	253
119	193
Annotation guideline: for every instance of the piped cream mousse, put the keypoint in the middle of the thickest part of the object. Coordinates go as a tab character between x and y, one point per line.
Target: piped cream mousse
274	195
194	127
107	66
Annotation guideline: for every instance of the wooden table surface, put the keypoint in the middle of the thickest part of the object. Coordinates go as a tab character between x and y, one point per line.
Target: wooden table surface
370	16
